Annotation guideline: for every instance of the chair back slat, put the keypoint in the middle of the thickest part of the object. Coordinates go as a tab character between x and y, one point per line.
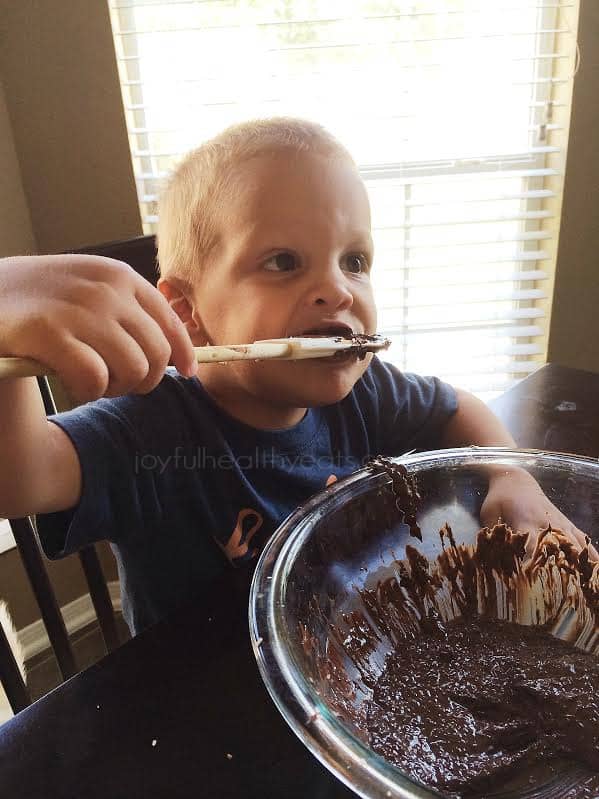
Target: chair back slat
98	591
31	556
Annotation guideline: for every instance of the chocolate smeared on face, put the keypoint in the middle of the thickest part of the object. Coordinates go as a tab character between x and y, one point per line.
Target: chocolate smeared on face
404	488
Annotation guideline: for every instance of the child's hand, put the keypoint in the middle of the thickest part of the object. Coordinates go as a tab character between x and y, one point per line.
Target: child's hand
516	498
94	321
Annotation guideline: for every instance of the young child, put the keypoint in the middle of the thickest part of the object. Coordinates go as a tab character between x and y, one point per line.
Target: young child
264	233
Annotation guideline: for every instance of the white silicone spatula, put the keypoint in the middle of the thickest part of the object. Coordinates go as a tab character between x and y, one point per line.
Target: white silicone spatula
282	349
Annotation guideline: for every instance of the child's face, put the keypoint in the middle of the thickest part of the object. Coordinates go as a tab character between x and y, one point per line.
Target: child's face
294	256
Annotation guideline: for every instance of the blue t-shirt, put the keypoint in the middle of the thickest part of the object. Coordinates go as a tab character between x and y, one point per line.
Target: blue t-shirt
182	490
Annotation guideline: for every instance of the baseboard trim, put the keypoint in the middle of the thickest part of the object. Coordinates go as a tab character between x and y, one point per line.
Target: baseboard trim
77	615
7	540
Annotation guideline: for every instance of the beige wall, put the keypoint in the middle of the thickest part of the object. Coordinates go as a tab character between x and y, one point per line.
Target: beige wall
16	232
63	96
574	334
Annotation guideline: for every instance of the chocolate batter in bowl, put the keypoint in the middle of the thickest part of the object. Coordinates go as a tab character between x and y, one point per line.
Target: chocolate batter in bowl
453	666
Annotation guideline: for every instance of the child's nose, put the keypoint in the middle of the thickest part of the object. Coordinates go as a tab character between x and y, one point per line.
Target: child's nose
331	289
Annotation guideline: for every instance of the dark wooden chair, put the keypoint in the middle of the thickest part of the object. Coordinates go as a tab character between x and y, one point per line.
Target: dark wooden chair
140	253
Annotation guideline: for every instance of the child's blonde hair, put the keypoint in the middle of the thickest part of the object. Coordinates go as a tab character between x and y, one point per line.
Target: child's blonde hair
197	189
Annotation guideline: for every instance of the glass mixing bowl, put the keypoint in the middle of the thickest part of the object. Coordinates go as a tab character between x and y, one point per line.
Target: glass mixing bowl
350	534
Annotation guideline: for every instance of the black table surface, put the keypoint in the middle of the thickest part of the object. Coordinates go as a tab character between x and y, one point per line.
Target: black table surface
555	409
181	711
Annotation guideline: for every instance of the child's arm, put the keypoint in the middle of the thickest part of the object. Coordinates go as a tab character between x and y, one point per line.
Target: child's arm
105	331
39	468
475	423
513	494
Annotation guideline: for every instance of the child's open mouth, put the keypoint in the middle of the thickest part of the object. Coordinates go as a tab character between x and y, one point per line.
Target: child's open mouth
332	331
339	331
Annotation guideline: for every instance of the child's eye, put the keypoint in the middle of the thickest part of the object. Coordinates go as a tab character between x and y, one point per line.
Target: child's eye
355	262
281	262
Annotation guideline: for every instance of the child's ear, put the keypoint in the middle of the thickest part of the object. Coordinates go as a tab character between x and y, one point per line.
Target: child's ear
181	304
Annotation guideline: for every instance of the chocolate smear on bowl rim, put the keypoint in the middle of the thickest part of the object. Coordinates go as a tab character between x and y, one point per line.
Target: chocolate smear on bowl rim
404	489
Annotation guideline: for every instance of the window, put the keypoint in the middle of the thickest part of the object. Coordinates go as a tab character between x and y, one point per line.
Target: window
456	111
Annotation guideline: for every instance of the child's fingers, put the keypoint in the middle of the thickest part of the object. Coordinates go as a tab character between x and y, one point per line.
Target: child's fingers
561	522
127	362
182	352
109	362
575	535
82	370
582	539
151	338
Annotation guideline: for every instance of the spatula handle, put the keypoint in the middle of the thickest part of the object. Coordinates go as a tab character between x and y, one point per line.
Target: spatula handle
21	367
242	352
27	367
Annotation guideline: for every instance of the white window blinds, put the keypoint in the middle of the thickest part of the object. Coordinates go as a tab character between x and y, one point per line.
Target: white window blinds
456	111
